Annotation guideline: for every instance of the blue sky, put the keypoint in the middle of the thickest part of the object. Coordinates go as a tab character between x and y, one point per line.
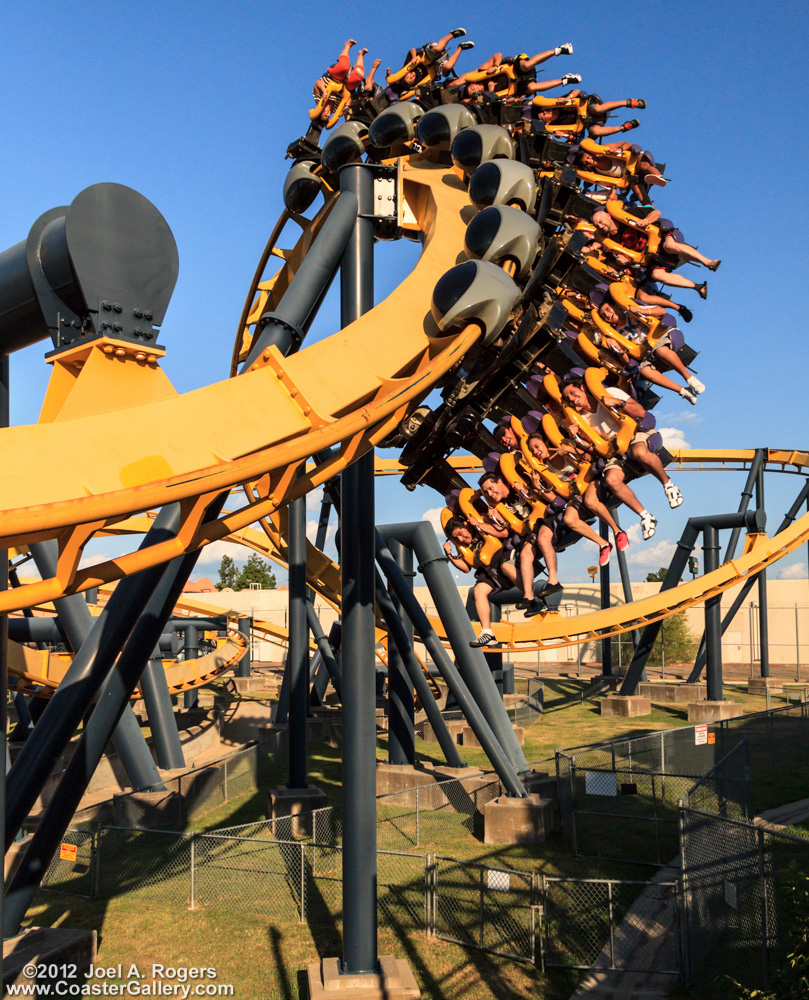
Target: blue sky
194	104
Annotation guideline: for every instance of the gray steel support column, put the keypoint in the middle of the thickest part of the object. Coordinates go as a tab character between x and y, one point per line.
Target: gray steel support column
160	712
77	623
324	646
84	677
359	661
748	584
713	614
751	520
606	602
245	663
730	551
492	655
190	652
763	617
402	639
466	702
163	592
626	583
298	306
298	657
471	662
401	731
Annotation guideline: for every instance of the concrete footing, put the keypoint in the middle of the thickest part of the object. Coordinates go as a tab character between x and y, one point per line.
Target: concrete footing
626	705
394	980
761	685
152	810
668	691
38	950
468	738
246	685
509	820
713	711
299	803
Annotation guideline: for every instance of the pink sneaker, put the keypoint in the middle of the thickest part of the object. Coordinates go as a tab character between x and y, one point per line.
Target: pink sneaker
621	541
604	554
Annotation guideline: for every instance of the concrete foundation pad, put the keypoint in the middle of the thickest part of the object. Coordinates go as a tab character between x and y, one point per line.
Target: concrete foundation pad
540	783
246	685
713	711
401	777
761	685
153	810
468	738
36	948
625	705
394	980
299	803
669	691
509	820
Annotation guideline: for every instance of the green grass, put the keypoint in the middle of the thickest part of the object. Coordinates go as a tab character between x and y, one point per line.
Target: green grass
251	935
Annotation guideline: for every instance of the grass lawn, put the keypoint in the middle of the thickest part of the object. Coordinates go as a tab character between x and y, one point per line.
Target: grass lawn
256	944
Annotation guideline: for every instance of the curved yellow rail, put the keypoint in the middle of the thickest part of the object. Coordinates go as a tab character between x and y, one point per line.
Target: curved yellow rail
29	667
349	390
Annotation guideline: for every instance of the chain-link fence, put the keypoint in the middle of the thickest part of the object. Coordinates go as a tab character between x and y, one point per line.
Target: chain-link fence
74	868
490	909
608	924
739	885
726	789
188	795
618	799
774	738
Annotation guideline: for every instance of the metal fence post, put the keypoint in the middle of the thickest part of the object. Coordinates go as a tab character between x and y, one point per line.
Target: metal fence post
193	858
481	906
765	928
612	926
226	780
303	883
686	944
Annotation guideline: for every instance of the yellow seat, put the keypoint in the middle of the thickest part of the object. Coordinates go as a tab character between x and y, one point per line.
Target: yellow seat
333	88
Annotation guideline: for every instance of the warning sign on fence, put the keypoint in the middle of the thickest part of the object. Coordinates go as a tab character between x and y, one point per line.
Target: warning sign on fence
68	852
700	735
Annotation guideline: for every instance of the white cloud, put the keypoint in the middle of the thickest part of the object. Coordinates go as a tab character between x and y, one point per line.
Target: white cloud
211	555
434	517
311	532
314	499
673	438
655	555
94	560
795	571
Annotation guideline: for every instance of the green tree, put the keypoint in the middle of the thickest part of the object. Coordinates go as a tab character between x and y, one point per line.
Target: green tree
227	574
675	638
657	577
255	570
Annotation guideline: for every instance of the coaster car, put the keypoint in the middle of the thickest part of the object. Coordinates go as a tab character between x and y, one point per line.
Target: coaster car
462	503
571	119
336	93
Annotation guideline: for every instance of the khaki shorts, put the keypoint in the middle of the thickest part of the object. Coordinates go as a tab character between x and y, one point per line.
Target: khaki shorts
664	341
641	437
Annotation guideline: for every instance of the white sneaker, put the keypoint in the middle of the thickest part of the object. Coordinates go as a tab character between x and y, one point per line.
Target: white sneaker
569	78
689	395
673	495
564	50
695	384
648	524
484	639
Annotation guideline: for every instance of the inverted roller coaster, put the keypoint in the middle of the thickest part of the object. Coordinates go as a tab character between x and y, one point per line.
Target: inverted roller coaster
496	310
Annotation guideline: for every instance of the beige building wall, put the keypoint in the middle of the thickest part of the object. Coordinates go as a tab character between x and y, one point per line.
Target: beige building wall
788	619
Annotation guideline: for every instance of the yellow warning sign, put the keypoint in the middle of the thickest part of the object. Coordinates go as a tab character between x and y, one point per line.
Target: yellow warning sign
68	852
